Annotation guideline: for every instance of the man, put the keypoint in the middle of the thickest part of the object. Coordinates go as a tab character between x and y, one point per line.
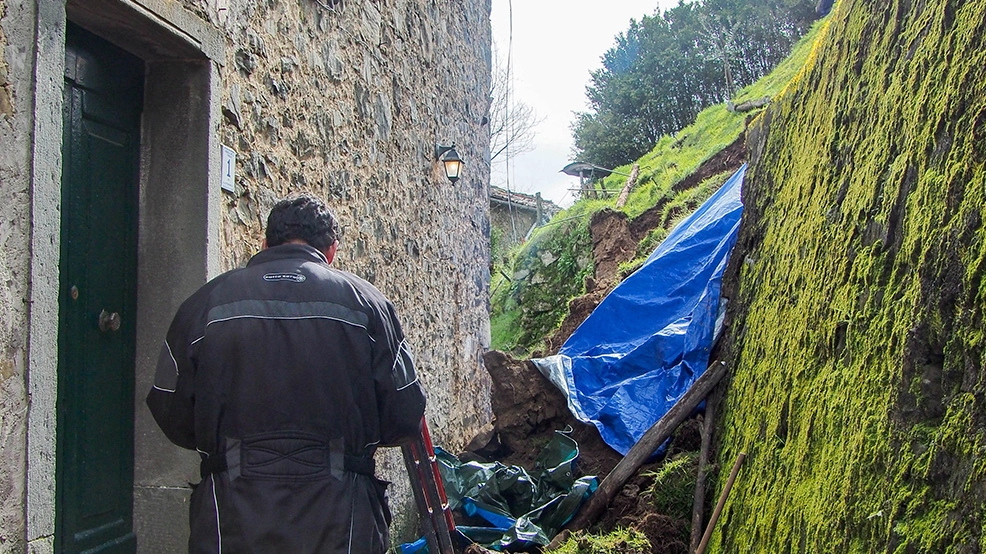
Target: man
285	376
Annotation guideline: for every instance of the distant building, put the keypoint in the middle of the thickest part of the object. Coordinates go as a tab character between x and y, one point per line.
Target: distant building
515	214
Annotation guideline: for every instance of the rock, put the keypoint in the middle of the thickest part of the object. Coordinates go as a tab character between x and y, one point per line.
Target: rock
231	109
246	61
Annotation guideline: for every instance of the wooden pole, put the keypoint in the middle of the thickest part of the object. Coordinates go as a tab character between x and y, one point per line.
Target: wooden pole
722	502
703	460
750	105
638	454
631	182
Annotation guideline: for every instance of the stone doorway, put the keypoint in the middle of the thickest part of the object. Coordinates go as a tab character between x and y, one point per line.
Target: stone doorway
177	226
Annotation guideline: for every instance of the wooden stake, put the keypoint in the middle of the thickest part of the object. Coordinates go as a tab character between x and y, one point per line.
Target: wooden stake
638	454
703	461
631	182
722	502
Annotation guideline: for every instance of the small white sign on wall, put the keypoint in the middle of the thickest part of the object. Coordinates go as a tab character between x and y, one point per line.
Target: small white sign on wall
229	169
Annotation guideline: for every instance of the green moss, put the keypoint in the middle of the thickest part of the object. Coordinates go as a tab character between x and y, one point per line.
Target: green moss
547	271
498	250
857	351
624	541
505	331
673	491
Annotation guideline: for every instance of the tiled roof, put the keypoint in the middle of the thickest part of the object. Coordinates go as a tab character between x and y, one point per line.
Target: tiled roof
521	200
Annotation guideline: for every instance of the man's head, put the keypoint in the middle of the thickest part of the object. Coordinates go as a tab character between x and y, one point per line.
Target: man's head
302	219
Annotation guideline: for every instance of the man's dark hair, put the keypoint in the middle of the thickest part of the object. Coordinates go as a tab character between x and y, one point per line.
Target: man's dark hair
302	218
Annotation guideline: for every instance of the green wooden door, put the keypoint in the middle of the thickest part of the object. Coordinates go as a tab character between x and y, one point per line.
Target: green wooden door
97	297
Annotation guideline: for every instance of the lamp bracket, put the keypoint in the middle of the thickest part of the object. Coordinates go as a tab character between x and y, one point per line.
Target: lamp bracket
441	149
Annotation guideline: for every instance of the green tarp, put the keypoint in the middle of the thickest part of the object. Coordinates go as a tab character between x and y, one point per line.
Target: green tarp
521	508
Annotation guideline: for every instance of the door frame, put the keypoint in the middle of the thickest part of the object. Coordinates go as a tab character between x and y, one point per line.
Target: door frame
178	227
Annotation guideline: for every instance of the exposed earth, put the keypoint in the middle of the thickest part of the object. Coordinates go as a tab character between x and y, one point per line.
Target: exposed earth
528	409
615	238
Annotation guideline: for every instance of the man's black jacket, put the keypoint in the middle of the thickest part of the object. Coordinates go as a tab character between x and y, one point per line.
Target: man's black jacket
285	376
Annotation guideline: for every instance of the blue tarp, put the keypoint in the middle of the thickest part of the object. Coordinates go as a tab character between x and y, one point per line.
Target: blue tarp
649	339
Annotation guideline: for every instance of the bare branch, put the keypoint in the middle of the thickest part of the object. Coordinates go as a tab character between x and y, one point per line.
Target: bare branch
512	122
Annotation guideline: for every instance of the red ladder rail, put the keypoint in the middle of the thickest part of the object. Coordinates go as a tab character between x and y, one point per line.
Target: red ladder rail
437	523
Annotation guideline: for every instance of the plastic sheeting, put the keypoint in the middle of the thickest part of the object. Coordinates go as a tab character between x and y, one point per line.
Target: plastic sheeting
521	510
649	339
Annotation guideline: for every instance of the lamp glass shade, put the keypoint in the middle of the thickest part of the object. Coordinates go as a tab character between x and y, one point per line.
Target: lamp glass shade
452	169
453	165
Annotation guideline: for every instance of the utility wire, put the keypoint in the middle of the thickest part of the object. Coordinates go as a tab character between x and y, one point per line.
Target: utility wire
508	127
329	5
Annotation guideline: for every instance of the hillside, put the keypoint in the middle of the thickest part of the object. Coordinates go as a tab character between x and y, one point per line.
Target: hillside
581	255
587	248
855	327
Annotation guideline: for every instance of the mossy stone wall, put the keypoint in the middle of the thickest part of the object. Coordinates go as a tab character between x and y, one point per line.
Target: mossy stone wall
857	345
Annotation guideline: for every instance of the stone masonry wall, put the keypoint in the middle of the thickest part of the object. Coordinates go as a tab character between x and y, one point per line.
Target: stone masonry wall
857	343
514	223
15	126
348	104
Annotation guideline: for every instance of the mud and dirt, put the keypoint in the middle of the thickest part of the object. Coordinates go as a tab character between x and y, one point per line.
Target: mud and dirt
728	159
579	309
528	409
612	244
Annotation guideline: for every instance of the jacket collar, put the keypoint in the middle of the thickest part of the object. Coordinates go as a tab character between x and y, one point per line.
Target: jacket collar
286	251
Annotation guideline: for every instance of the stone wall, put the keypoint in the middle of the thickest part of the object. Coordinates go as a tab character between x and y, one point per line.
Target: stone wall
346	103
514	222
6	107
857	346
15	126
349	104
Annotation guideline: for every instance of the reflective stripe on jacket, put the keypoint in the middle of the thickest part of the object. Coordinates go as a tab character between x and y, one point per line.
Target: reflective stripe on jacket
283	369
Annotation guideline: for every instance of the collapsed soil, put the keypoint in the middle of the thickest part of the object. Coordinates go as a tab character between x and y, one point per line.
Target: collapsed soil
615	238
528	409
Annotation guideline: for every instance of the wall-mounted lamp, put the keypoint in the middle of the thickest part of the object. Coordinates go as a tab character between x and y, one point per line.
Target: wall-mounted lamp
449	157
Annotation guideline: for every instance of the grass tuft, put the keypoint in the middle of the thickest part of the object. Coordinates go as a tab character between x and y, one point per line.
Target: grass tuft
623	541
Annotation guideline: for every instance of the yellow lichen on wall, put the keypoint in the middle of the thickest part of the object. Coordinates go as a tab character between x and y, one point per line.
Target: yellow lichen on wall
857	346
6	101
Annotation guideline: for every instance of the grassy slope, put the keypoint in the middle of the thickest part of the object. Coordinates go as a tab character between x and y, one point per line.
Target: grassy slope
715	128
532	304
858	349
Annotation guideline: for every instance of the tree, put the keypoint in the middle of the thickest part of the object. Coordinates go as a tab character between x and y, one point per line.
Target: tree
512	123
665	69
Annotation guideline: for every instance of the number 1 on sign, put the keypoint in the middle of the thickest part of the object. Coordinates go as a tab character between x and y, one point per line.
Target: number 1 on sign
228	168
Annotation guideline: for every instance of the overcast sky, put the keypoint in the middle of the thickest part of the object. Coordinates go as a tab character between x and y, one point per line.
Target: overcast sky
556	43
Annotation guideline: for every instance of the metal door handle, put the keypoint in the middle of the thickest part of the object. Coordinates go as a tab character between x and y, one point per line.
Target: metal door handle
109	321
